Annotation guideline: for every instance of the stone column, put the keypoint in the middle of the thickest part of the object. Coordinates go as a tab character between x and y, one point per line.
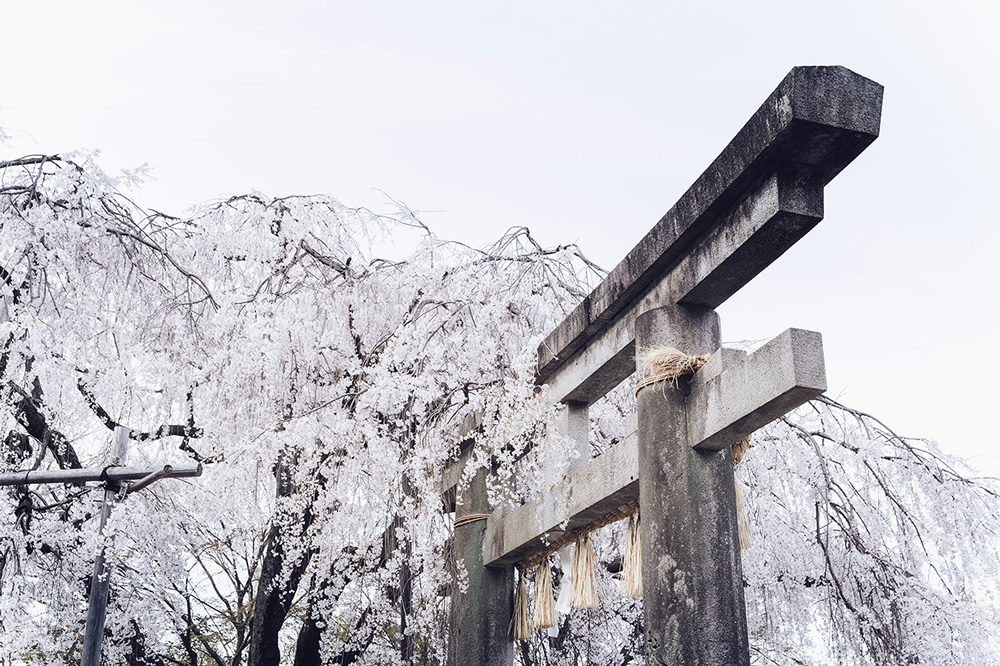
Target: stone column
692	574
479	617
573	421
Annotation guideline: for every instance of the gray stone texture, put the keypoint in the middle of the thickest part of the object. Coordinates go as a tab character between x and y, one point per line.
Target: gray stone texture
692	573
480	616
817	120
733	395
759	196
769	218
596	488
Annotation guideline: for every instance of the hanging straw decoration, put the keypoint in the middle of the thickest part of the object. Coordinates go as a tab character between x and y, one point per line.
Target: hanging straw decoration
621	513
584	588
633	559
582	582
545	609
746	538
520	623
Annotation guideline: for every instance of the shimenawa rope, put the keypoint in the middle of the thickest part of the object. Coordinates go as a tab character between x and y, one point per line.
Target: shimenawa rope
667	364
471	518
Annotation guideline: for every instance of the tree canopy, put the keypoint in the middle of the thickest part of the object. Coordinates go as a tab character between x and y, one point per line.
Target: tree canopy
318	360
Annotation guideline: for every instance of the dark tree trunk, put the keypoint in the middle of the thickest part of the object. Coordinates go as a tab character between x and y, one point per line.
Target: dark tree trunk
137	653
405	608
275	595
406	586
29	415
274	599
307	645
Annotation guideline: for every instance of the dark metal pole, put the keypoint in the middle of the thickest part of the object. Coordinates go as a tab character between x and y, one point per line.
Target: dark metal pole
150	479
94	632
79	476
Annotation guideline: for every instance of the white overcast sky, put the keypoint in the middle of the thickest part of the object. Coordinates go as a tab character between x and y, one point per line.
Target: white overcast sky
583	121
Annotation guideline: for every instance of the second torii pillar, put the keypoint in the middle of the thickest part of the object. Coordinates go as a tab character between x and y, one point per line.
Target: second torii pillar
693	602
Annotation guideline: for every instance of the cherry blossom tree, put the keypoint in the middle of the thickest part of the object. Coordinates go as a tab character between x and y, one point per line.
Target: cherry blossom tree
317	360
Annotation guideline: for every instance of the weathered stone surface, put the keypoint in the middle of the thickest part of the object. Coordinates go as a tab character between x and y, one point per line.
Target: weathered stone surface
598	367
762	193
756	199
759	229
596	488
480	616
818	117
748	392
452	474
733	395
766	221
692	573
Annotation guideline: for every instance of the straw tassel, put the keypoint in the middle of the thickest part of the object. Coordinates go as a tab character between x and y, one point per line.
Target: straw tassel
746	538
545	610
584	589
520	623
633	559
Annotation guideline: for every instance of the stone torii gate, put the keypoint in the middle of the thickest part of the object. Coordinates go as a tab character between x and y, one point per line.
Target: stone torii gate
763	193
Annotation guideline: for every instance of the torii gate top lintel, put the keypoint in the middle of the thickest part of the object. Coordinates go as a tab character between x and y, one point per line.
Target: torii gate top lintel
814	124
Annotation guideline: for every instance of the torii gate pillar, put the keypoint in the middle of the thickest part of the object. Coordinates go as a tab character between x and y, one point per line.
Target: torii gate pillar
692	572
480	615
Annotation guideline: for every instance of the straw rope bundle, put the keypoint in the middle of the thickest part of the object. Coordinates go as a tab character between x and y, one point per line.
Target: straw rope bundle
545	609
582	571
632	585
584	587
666	364
746	538
471	518
739	449
520	623
622	512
